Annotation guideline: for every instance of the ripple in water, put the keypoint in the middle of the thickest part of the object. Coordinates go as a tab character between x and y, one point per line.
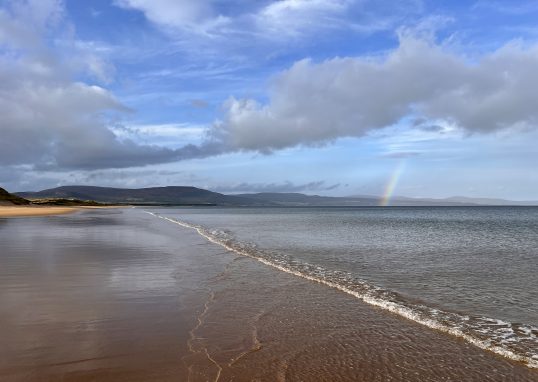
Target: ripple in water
515	341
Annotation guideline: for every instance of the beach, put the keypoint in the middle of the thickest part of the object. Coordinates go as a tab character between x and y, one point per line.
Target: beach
21	211
122	295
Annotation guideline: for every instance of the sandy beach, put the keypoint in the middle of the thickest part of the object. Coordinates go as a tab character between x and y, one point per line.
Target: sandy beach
22	211
29	211
120	295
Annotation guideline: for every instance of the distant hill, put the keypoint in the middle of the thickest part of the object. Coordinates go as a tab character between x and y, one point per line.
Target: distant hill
296	199
183	195
463	201
9	199
493	202
172	195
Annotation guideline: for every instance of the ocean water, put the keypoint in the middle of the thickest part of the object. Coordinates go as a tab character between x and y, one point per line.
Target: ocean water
471	272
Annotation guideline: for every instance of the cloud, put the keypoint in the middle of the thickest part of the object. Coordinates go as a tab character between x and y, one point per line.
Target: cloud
173	13
172	135
279	19
315	103
292	17
50	120
126	178
14	28
277	187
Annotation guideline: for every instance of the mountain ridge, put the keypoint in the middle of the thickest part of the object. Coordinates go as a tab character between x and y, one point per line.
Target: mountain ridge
169	195
188	195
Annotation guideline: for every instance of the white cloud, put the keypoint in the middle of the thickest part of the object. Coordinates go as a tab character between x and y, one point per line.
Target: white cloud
279	19
174	13
285	8
23	23
292	17
52	121
171	135
314	103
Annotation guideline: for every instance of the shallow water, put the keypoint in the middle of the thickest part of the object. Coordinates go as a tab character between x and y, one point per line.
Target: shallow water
469	271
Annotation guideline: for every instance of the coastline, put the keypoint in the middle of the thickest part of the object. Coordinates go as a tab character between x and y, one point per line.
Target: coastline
135	298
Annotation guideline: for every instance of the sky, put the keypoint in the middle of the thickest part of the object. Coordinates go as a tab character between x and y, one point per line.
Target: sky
328	97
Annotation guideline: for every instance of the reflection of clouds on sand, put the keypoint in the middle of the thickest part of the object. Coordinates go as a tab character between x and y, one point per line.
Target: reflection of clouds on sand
137	278
99	295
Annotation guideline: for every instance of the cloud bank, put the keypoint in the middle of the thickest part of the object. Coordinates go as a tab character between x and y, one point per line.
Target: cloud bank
315	103
52	119
48	118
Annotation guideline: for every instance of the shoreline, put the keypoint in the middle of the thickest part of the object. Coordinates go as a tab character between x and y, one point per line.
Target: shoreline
319	333
394	307
162	303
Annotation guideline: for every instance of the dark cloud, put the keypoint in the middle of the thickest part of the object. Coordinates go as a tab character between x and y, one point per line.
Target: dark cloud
116	154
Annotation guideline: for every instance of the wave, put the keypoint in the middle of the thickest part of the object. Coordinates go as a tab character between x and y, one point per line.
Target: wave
515	341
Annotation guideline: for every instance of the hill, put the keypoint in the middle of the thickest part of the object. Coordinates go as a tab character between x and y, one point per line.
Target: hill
9	199
172	195
184	195
460	201
297	200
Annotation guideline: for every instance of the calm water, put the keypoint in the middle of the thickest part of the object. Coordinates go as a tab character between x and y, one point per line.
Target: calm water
469	271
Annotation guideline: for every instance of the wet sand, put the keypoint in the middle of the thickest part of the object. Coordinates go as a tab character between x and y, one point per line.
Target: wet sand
119	295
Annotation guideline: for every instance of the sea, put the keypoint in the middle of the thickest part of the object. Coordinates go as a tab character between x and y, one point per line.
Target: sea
470	272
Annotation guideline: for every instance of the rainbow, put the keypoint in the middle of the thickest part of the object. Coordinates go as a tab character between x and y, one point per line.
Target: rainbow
391	184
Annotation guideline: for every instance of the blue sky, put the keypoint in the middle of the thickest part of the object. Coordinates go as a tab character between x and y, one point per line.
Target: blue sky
324	97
